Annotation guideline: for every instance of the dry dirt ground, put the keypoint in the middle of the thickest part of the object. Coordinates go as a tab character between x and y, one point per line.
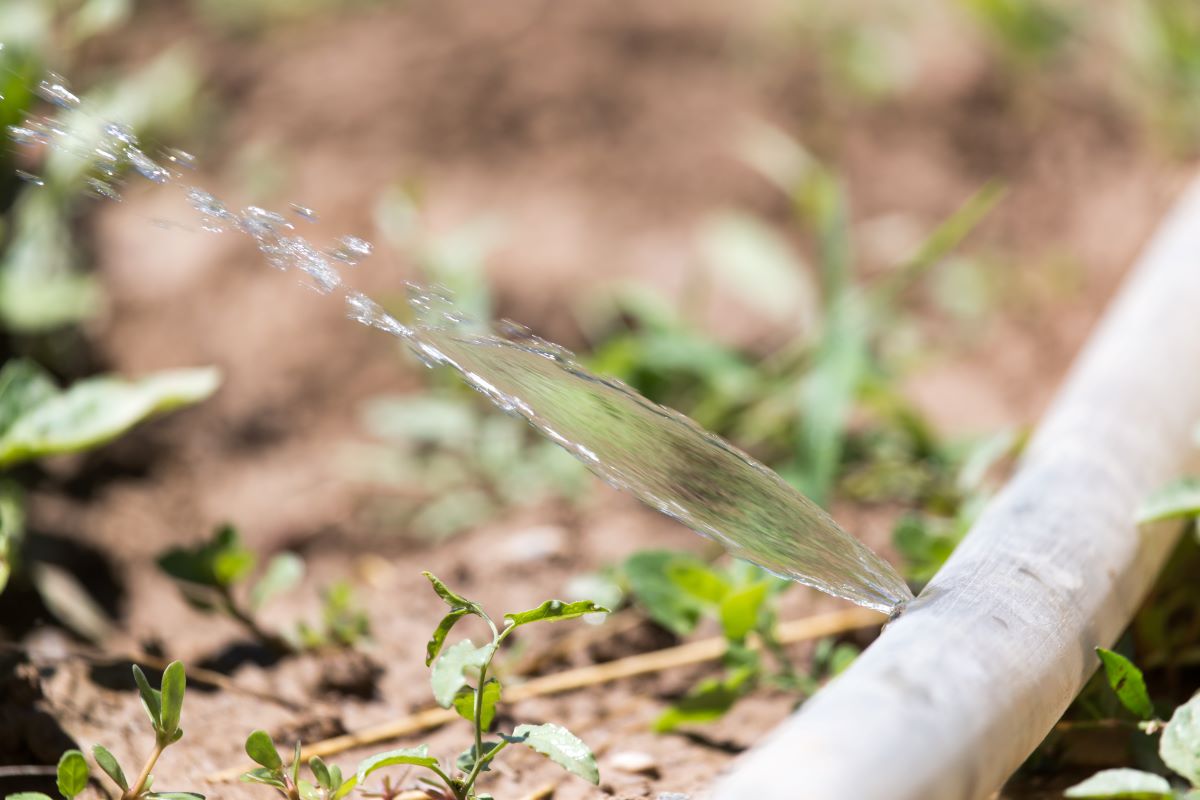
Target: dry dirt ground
602	133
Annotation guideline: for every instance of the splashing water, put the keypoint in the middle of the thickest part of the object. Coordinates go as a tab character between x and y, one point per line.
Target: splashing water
656	454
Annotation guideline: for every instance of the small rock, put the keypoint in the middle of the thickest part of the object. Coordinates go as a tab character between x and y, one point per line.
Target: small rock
634	762
672	796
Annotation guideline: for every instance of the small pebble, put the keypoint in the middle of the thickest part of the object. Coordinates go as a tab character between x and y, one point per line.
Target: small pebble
634	762
672	796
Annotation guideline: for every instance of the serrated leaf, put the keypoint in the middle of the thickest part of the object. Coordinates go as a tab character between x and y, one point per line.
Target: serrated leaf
1127	784
698	581
72	773
174	683
464	703
1176	500
1180	743
451	672
97	410
151	698
112	768
1128	683
555	610
560	746
262	750
441	632
283	572
414	756
739	611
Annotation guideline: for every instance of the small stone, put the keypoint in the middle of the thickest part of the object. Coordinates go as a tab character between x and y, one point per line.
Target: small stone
672	796
635	763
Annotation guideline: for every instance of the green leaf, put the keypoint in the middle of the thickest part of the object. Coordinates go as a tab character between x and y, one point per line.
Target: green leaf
97	410
12	527
1127	681
441	632
110	765
466	759
1177	500
23	387
414	756
220	562
740	610
454	600
698	581
283	572
555	610
262	750
1128	784
450	672
320	772
1180	743
72	773
707	701
174	682
269	777
654	592
464	703
151	698
560	746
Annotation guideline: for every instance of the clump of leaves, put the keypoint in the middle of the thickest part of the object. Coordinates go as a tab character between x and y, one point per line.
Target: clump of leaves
678	590
460	679
216	576
1027	32
1178	747
164	706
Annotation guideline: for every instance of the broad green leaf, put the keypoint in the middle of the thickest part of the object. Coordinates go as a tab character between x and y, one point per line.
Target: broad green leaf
657	595
466	759
560	746
740	610
414	756
307	791
1127	681
72	773
23	387
283	572
1176	500
554	610
441	632
320	772
1180	743
111	767
464	703
698	581
262	750
1127	784
174	682
222	561
151	697
96	410
707	701
269	777
12	527
456	667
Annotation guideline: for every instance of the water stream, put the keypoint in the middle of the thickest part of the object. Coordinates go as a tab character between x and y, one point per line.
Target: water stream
656	454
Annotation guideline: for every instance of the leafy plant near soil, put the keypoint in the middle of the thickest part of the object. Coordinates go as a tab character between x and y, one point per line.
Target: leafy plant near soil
678	590
164	707
1178	746
39	419
215	577
460	679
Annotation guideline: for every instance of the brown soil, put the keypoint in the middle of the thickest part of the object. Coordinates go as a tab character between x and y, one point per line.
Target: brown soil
602	132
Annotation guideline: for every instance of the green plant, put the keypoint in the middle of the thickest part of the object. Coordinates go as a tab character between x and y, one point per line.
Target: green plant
39	419
461	679
678	590
1026	31
1178	747
1162	44
215	576
164	706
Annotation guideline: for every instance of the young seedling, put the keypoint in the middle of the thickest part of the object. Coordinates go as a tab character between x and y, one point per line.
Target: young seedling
677	590
164	706
460	678
1179	747
215	577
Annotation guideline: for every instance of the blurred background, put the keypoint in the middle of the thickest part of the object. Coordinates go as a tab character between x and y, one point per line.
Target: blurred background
687	194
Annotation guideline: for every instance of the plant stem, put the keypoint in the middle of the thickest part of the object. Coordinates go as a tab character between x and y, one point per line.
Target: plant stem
272	640
140	784
481	762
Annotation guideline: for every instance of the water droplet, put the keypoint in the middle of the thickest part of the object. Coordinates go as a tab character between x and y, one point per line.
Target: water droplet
103	189
351	250
29	177
28	134
303	211
54	90
146	166
180	158
122	133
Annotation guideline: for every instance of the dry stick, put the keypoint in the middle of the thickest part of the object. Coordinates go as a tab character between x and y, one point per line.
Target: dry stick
644	663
